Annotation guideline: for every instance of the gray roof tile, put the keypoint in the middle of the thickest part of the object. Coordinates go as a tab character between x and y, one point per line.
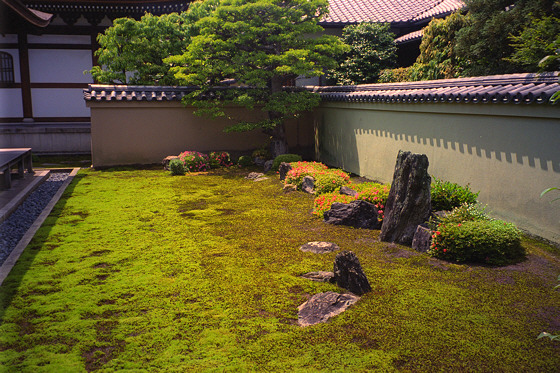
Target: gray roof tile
512	88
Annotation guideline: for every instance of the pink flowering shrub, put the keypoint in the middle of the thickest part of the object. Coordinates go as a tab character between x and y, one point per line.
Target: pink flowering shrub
220	159
371	192
195	161
326	180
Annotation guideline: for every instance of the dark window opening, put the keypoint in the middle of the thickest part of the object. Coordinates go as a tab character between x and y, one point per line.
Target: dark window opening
6	68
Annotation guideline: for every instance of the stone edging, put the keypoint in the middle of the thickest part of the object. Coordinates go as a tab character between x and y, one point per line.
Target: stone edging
15	254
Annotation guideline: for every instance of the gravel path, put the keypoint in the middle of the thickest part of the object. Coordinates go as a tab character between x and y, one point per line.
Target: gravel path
14	228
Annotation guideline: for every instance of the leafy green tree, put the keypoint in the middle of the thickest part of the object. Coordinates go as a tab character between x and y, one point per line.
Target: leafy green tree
132	52
259	45
438	58
484	43
372	49
536	47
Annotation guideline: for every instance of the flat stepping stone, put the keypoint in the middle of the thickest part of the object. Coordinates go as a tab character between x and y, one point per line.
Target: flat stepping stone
256	176
321	307
319	247
320	276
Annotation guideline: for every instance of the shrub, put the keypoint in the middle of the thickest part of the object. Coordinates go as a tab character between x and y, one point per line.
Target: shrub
324	201
288	158
446	195
195	161
326	180
176	167
480	241
461	214
244	161
220	159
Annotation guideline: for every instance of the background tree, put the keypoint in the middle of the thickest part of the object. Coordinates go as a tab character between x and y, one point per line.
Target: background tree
484	43
260	45
132	52
537	46
372	49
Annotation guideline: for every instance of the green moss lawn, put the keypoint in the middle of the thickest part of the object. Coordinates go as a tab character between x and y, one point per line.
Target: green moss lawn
142	271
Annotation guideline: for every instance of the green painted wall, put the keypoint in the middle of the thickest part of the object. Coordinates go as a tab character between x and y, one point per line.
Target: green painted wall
508	152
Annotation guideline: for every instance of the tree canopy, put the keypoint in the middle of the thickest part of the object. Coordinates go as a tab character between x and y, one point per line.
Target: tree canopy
259	45
372	49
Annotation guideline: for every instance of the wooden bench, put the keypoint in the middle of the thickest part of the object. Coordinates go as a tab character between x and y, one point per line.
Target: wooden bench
10	157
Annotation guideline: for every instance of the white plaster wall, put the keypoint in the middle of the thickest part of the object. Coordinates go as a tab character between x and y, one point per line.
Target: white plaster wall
8	38
59	66
59	39
15	56
59	102
10	103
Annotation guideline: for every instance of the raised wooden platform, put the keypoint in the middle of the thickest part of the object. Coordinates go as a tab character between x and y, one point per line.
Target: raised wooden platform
12	157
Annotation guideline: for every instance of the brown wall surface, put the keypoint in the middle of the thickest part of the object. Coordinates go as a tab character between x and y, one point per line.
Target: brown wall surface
510	153
125	133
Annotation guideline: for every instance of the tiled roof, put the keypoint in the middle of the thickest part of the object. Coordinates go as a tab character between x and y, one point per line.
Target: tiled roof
343	12
410	37
118	8
99	92
513	88
35	17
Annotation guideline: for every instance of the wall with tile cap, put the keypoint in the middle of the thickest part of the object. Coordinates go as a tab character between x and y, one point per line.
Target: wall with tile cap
510	153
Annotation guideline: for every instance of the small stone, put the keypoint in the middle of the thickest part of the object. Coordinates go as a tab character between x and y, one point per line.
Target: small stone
319	247
289	188
320	276
283	169
167	160
348	191
321	307
308	185
422	239
349	275
254	176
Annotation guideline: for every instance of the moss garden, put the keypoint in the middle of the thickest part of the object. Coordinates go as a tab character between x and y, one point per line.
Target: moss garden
143	271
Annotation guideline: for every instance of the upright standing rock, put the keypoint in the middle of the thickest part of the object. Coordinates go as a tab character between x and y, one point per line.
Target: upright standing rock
283	170
348	273
409	201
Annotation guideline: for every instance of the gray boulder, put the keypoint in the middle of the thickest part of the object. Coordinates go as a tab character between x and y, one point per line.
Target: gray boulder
348	273
409	201
357	214
166	160
268	165
321	307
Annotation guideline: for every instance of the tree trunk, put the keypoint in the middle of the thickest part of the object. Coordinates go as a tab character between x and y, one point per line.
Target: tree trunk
278	143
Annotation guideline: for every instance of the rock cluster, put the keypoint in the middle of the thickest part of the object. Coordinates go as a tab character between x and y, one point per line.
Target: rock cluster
357	214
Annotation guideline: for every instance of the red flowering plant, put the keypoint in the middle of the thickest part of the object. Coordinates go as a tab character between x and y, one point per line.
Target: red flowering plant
374	193
220	159
195	161
326	180
324	201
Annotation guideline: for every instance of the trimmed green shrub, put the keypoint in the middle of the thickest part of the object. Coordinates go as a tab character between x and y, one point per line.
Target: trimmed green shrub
446	195
463	213
244	161
176	167
195	161
220	159
288	158
492	242
326	180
